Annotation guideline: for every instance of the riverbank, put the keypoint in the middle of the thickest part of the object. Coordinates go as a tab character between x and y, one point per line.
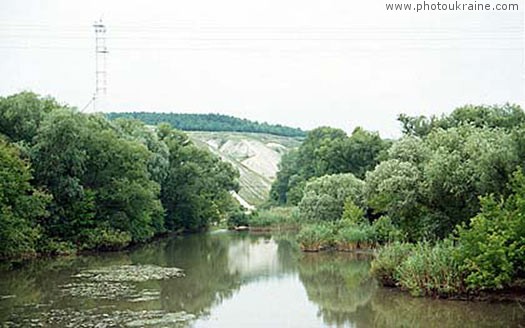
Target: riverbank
225	272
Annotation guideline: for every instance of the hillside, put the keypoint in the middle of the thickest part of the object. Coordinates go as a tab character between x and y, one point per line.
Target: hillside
210	122
255	155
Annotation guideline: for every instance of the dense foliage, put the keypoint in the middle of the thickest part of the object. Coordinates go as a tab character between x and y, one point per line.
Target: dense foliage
99	184
326	151
324	197
209	122
21	206
452	187
507	117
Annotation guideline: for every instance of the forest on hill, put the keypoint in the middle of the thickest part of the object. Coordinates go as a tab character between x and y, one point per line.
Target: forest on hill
209	122
71	181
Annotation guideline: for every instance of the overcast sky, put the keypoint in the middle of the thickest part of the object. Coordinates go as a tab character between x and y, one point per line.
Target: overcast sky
304	63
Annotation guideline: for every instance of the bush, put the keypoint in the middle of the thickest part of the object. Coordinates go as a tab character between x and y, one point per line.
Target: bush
387	261
353	214
238	218
431	270
492	247
56	247
315	237
103	239
385	230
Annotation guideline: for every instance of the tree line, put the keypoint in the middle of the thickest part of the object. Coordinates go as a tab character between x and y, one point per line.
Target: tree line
209	122
71	181
448	197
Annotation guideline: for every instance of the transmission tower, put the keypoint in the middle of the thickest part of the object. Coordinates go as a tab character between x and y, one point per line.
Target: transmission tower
100	64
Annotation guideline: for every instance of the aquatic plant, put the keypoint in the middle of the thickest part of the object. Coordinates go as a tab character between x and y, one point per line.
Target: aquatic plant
387	261
315	237
431	270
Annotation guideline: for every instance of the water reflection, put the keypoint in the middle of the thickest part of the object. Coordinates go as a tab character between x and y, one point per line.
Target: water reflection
231	279
339	284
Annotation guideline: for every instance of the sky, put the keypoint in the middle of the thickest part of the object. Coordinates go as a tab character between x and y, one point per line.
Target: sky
303	63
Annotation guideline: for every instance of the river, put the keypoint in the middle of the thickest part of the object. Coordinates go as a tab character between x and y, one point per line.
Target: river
230	280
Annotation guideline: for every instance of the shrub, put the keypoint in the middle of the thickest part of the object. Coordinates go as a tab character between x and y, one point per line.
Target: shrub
237	218
388	260
492	247
385	230
105	239
53	246
353	214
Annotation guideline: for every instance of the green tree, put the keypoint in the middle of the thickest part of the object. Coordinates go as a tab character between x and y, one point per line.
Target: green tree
507	117
21	115
21	206
324	197
196	189
99	181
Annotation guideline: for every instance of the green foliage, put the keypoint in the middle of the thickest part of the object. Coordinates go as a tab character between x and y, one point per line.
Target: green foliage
209	122
492	246
326	151
324	197
21	115
274	217
507	116
353	214
353	237
430	185
385	231
97	178
431	270
196	189
315	237
237	219
112	183
21	206
395	189
388	259
104	239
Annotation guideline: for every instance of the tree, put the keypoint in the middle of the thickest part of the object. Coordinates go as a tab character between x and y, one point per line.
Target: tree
326	151
395	189
196	189
507	117
21	206
21	115
324	197
99	181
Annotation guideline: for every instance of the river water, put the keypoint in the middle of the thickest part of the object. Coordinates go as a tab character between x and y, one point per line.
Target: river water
230	280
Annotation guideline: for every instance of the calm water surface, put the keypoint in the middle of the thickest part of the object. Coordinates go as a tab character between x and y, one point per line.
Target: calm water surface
231	280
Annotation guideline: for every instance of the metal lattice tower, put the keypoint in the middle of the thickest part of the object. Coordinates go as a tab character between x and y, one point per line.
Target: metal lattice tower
100	64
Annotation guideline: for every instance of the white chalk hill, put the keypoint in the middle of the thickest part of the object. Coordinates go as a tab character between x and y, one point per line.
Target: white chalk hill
255	155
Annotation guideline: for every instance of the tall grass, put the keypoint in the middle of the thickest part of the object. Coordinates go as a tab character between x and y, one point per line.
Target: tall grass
431	270
388	259
421	269
315	237
275	217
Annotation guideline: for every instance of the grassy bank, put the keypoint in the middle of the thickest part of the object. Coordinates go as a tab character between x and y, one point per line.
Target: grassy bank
275	218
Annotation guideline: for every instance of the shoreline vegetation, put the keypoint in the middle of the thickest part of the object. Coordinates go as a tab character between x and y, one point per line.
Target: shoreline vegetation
442	207
72	182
